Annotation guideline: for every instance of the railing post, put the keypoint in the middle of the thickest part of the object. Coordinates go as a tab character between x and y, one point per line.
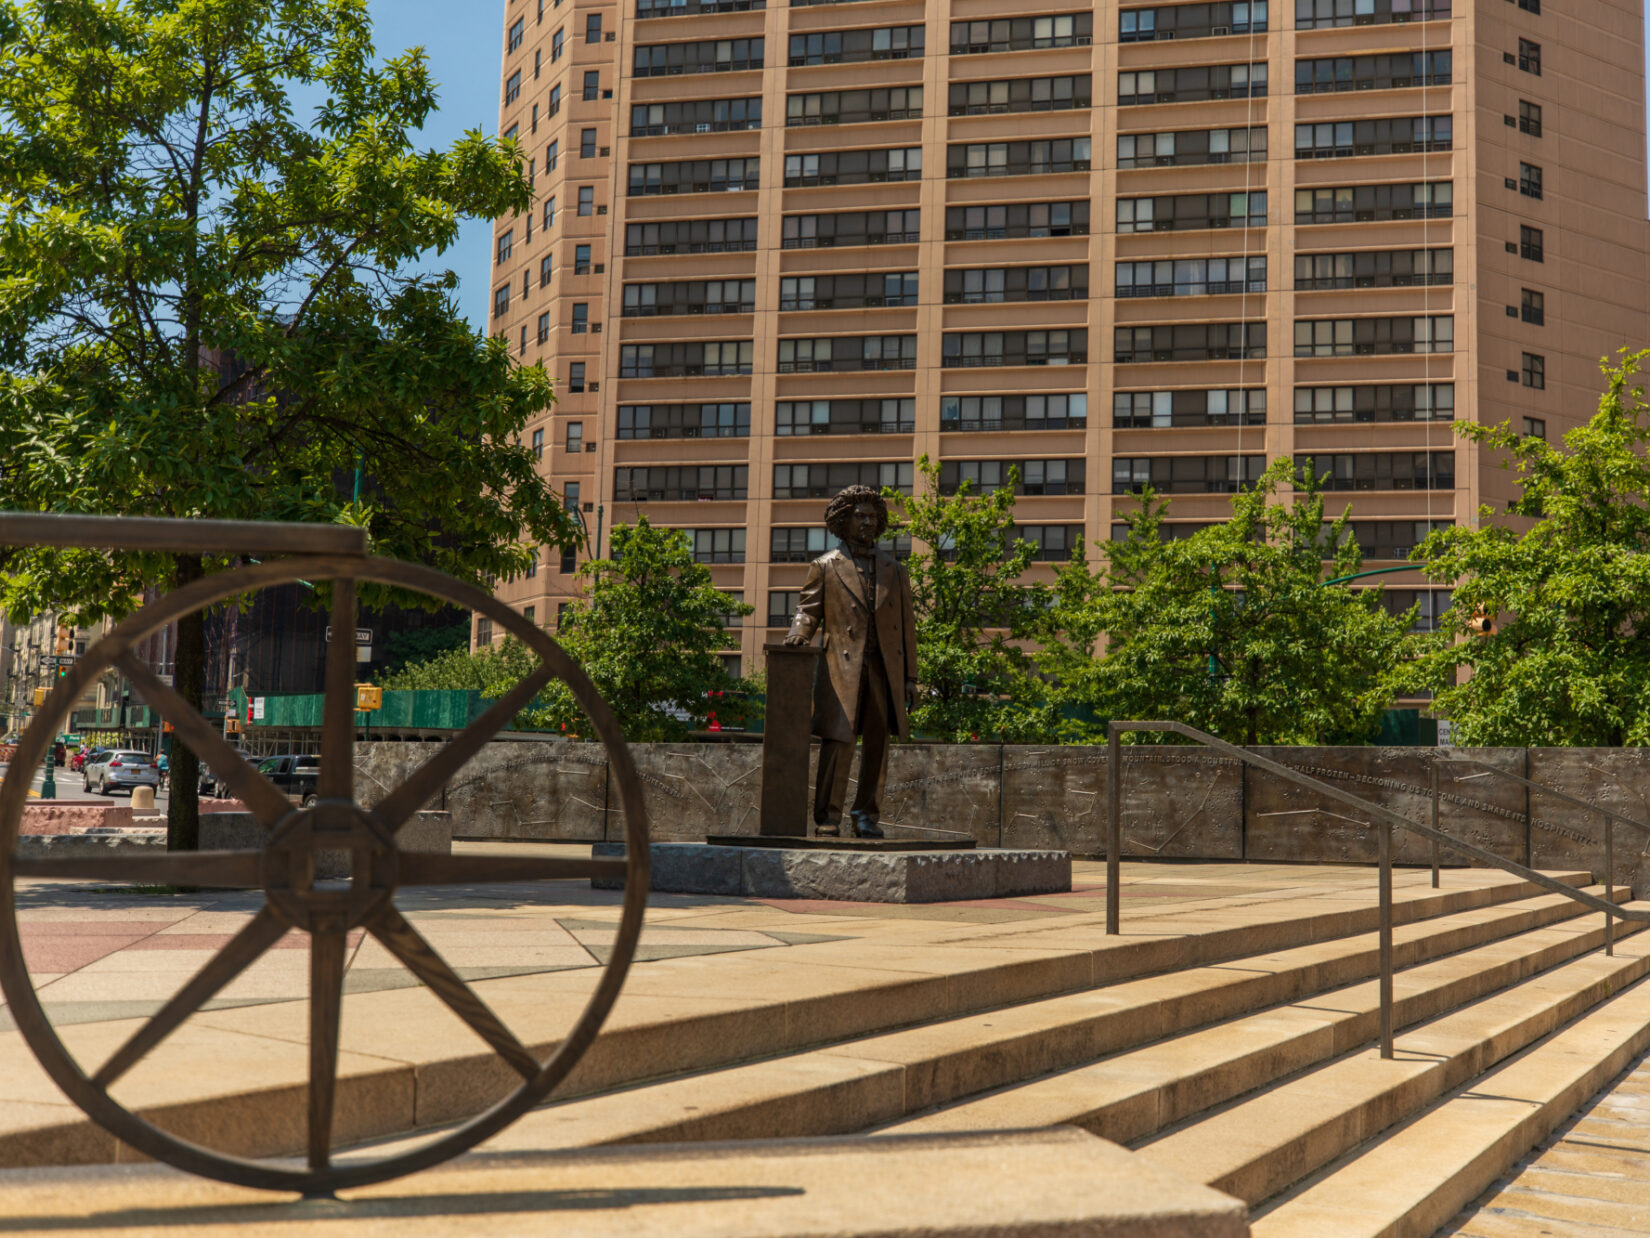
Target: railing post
1609	883
1385	837
1114	827
1435	848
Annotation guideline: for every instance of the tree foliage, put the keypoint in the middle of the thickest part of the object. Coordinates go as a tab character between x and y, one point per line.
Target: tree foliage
491	671
650	632
1569	659
1232	629
207	306
976	681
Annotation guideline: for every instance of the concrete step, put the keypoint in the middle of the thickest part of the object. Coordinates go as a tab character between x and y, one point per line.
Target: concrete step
1136	1093
1417	1176
1263	1144
873	1081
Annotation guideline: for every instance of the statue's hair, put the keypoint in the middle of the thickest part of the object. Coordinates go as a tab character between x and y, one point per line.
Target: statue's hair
845	502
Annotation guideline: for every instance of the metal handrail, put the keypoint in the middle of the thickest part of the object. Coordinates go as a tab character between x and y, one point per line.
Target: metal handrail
1387	817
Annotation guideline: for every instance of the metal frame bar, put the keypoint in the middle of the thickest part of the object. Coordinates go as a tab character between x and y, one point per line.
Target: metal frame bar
1386	820
179	536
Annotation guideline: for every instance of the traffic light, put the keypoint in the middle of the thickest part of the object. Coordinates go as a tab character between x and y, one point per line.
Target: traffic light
65	639
39	697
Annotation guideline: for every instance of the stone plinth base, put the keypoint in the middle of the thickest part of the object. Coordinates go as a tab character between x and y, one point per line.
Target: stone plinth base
240	831
857	876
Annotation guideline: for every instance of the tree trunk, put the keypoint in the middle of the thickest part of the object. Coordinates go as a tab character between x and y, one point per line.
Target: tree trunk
183	820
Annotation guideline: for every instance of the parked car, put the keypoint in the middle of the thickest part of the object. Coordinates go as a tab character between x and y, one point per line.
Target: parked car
295	773
211	784
77	763
121	767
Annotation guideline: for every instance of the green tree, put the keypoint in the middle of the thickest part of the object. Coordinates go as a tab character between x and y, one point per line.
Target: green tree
1231	630
1568	661
975	680
650	633
208	305
492	671
410	646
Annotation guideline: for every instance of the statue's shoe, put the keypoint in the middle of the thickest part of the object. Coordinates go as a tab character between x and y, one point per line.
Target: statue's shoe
866	827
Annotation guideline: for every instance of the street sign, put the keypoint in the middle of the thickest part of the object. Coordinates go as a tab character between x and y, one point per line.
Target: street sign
51	661
363	636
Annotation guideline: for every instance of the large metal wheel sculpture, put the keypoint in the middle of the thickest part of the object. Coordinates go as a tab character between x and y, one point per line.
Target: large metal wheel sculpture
284	870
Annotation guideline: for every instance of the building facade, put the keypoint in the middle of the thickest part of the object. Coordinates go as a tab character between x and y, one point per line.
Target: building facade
777	250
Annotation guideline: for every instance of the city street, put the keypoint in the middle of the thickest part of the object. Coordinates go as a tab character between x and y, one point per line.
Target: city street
68	789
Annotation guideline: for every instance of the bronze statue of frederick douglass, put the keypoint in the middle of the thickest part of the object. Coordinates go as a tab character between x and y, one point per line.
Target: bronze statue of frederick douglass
867	676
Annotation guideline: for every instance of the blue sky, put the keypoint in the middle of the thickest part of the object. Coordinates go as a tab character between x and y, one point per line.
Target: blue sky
464	43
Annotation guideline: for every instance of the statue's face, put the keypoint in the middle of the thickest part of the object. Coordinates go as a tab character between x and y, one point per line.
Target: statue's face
860	526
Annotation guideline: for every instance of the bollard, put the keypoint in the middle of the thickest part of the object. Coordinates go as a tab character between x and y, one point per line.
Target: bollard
143	799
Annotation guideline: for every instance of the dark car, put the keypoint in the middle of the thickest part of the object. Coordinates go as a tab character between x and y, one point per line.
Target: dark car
295	773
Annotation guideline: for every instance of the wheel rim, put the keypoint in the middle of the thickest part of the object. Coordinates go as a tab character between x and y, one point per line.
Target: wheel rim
284	871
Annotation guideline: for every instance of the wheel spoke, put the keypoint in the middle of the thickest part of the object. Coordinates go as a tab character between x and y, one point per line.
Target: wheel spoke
407	944
415	868
326	999
259	934
260	796
337	776
230	869
397	808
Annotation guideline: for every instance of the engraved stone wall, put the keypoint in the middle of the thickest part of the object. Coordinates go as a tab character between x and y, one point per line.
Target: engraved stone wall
1565	836
1284	821
693	790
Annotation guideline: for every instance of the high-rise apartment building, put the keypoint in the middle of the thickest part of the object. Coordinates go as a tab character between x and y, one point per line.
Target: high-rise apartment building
780	249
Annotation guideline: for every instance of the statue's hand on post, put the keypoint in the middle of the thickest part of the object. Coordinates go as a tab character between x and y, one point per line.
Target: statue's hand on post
793	637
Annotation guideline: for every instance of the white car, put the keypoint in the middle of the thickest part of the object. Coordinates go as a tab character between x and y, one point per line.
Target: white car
122	767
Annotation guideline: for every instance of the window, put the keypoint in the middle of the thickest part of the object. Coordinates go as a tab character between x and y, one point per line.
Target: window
990	285
702	483
711	56
1531	244
569	562
1533	308
581	317
782	604
857	291
587	143
848	46
1386	136
501	300
1322	14
581	260
725	419
696	176
818	481
593	28
547	268
718	545
1192	211
512	87
1535	427
1358	337
1189	147
575	436
1384	72
824	354
1529	57
1215	341
484	632
1185	474
518	28
506	242
1160	410
529	613
1191	21
575	376
552	155
795	545
796	418
544	327
592	85
1023	94
1529	118
570	496
696	116
854	167
557	41
524	339
538	64
1021	33
1221	81
1190	277
969	349
686	358
1017	219
692	236
554	105
1534	371
1052	411
1362	203
510	133
840	107
713	296
587	199
550	211
1035	477
533	565
1529	180
1385	268
1018	158
1409	470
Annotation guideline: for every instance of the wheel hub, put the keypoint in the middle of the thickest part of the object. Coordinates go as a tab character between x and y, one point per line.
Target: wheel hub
296	854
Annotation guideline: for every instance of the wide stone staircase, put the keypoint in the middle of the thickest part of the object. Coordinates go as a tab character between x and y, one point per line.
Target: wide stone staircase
1253	1068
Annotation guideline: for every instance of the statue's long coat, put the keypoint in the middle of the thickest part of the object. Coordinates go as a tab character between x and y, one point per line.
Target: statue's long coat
833	598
